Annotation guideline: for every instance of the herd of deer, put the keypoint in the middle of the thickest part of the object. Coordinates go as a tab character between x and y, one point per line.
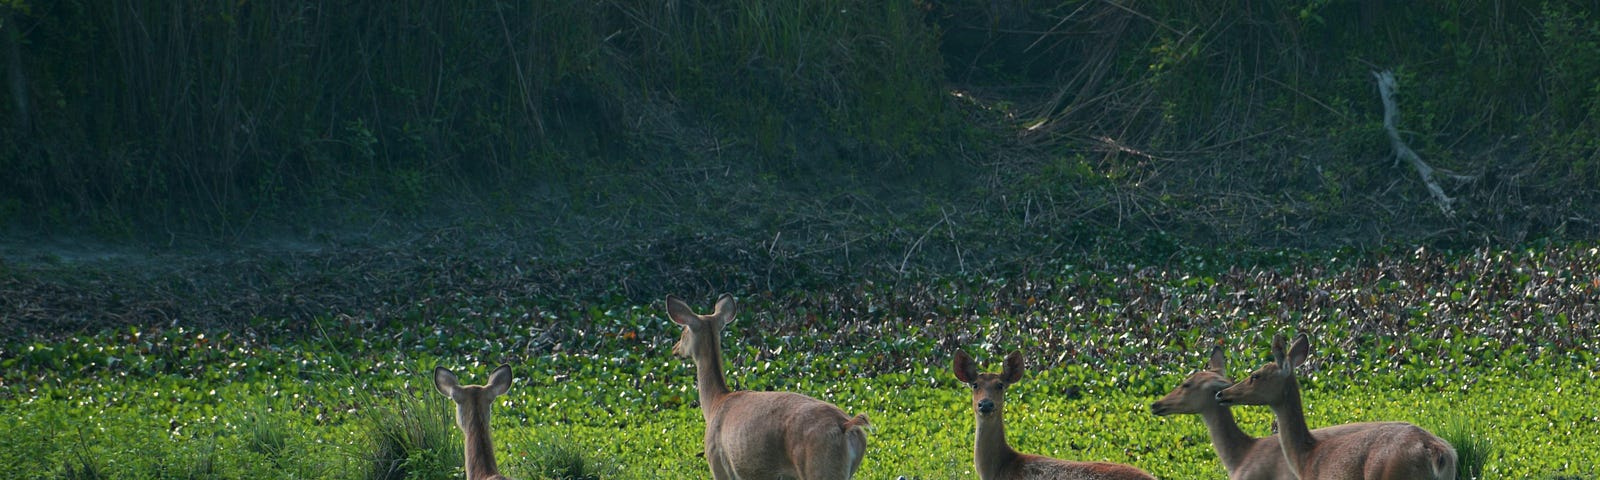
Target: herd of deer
761	435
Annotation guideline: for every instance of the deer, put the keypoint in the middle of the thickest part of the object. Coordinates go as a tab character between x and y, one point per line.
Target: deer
1370	450
763	435
1244	457
993	456
472	417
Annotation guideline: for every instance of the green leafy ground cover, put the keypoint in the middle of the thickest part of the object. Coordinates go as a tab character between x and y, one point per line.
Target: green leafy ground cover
1509	354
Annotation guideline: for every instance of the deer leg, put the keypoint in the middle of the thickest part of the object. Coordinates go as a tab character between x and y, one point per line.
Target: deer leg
720	470
833	462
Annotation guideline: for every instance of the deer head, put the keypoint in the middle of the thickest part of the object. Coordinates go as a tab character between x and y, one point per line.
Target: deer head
700	332
1198	391
1270	383
472	401
988	389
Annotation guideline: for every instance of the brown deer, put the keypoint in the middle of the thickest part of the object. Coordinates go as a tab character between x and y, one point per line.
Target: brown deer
994	458
472	416
762	435
1243	456
1373	450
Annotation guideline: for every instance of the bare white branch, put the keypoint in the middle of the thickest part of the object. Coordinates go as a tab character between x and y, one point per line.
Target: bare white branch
1391	115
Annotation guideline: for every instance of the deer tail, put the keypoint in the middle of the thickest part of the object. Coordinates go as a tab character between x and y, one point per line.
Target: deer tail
1444	462
855	432
858	421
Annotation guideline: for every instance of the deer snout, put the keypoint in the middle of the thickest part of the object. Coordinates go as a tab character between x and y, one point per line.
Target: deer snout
1224	399
1159	409
985	406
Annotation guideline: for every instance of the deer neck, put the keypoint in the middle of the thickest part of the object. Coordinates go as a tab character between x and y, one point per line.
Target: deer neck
708	375
1231	443
992	453
1292	430
479	447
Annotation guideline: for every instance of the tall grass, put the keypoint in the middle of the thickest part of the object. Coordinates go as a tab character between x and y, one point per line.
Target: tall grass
412	437
284	444
81	464
557	458
221	113
1473	449
267	434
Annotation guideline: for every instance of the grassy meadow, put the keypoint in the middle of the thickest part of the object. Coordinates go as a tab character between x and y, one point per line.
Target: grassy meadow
236	237
1497	363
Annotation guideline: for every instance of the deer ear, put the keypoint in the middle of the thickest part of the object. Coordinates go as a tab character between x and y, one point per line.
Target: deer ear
446	382
680	313
1219	361
1014	367
1278	356
1298	352
965	370
500	381
726	307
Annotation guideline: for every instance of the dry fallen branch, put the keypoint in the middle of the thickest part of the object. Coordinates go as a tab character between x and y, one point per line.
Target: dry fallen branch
1386	88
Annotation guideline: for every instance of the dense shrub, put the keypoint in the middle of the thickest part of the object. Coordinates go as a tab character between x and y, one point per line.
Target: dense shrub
1211	122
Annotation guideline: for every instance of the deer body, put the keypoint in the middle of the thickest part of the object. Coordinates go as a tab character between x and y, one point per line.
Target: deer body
472	417
1243	456
1371	450
762	435
993	456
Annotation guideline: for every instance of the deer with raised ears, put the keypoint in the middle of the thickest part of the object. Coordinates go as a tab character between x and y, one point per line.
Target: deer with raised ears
993	456
1243	456
472	417
763	435
1371	450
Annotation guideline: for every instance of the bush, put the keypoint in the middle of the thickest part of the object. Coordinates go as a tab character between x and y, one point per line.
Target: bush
1473	450
555	458
413	438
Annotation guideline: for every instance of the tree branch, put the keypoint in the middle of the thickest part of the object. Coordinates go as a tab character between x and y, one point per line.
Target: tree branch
1391	115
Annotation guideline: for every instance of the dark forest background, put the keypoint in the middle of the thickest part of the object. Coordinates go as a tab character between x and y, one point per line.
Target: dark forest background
826	135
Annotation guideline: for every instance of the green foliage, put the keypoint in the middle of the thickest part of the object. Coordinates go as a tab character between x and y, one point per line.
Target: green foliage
1573	66
395	103
1569	39
1258	123
413	438
275	439
1216	123
1487	349
1473	449
267	435
81	470
554	457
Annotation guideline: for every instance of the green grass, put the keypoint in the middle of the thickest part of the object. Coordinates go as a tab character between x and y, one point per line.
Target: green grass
412	437
1473	448
596	394
553	455
1541	424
